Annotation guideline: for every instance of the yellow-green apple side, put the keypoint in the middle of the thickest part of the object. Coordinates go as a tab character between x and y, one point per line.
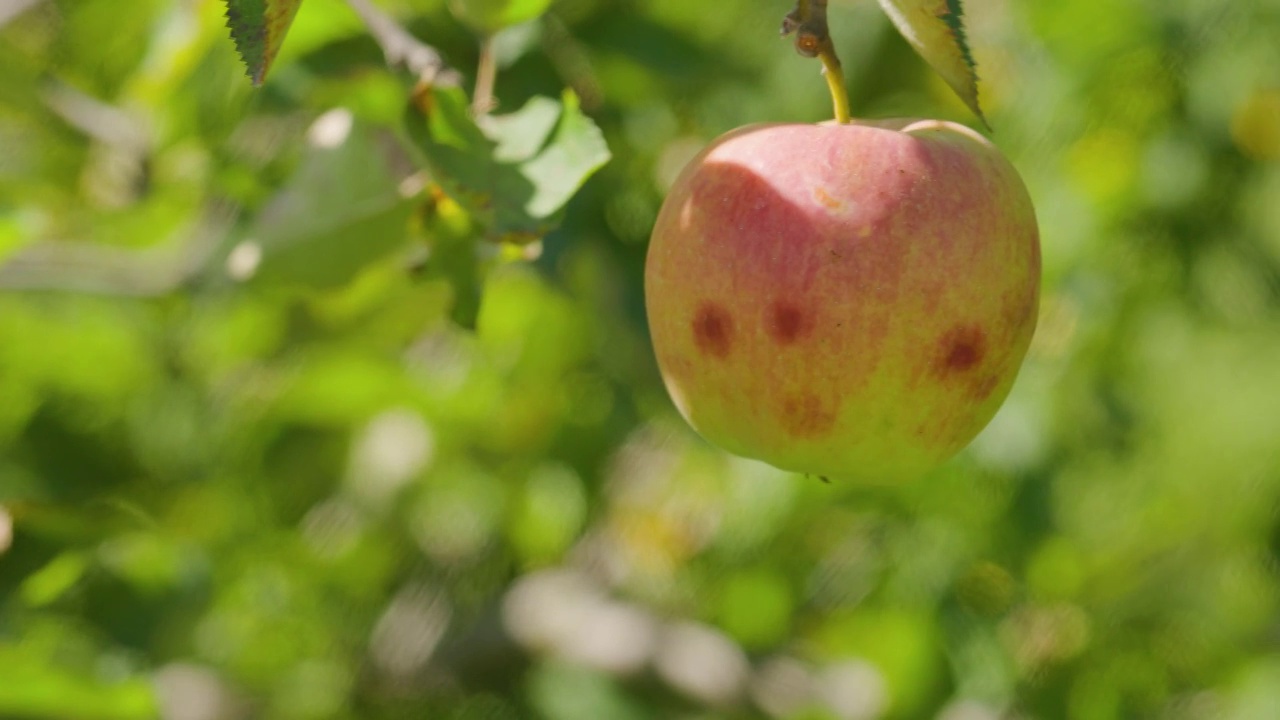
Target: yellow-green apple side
844	300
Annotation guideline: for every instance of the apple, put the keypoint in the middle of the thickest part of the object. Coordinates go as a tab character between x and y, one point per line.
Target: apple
845	300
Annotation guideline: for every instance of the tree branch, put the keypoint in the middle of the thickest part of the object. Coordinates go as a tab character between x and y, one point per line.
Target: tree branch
482	100
808	21
401	48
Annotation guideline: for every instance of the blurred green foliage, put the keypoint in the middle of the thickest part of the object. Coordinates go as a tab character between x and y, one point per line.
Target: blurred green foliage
285	432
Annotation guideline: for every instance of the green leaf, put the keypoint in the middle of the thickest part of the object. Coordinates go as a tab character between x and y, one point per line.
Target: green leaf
576	151
340	211
258	28
489	16
512	173
935	28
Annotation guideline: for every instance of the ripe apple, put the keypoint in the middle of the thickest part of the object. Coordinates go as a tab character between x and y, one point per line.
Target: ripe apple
844	300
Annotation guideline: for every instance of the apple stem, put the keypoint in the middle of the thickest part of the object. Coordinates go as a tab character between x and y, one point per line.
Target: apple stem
835	82
808	20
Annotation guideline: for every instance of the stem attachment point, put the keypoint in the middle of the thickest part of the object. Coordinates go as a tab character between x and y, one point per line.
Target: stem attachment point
808	22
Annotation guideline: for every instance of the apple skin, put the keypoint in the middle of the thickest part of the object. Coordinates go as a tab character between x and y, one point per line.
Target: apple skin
850	301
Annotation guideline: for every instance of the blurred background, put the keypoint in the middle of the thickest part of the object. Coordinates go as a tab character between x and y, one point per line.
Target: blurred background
326	479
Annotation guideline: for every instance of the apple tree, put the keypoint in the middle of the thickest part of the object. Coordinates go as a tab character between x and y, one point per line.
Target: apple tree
329	386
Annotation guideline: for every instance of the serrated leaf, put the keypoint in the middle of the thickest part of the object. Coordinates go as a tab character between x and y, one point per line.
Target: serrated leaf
576	151
258	28
489	16
341	210
935	28
513	173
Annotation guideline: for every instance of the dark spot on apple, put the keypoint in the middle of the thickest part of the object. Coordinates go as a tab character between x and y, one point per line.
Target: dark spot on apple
807	416
961	349
963	355
713	329
787	323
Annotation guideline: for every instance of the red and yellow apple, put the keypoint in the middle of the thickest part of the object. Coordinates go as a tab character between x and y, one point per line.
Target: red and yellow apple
851	301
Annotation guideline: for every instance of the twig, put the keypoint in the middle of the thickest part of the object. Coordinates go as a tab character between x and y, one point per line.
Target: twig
400	47
99	120
808	21
482	100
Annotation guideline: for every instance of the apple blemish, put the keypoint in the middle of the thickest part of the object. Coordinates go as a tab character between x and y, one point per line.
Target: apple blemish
787	323
713	330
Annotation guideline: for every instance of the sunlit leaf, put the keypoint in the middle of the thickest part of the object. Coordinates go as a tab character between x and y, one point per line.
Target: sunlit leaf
490	16
935	28
576	151
513	173
258	28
